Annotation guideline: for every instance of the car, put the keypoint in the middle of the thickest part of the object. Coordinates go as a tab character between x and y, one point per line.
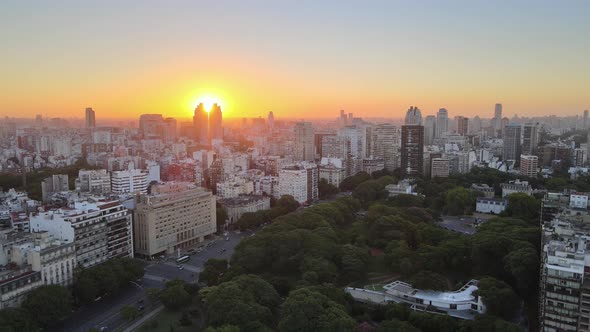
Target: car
227	238
141	308
180	267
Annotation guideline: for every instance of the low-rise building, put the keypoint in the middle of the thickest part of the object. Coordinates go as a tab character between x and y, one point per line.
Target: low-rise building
516	186
332	173
237	206
490	205
175	215
402	187
234	188
487	191
463	303
579	200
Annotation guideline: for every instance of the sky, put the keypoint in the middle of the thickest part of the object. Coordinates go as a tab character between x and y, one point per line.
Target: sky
300	59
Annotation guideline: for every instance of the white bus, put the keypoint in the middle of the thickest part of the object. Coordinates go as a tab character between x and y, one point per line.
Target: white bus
183	259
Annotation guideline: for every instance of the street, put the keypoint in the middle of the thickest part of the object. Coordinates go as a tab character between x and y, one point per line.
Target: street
462	224
106	312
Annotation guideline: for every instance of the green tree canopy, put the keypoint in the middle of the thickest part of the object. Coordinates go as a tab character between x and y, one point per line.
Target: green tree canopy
49	304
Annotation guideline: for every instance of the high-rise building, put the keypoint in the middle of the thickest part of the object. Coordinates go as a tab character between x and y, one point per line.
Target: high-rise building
439	167
512	145
90	118
413	116
94	181
299	181
129	181
412	150
342	120
429	129
442	123
475	125
529	165
53	184
215	123
175	215
586	121
201	125
497	120
150	125
271	120
386	138
169	130
530	138
100	231
462	125
304	142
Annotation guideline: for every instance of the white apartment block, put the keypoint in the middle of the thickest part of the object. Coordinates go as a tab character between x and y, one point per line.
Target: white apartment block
94	181
299	181
490	205
579	201
130	181
100	231
174	216
332	173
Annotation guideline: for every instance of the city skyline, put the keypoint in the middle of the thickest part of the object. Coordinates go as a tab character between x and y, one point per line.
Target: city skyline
297	61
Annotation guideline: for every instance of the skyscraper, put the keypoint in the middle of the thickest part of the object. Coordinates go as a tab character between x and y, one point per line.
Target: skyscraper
429	129
530	138
169	130
151	125
201	125
304	142
442	122
462	125
497	121
386	145
271	120
90	118
215	123
412	150
586	123
413	116
512	146
529	165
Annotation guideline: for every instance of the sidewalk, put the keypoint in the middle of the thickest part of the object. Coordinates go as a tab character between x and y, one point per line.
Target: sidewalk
143	319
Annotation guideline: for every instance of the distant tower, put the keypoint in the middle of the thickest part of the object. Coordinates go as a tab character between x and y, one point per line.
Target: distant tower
429	129
497	121
201	125
304	141
215	122
530	138
271	120
586	120
413	116
442	122
90	118
462	125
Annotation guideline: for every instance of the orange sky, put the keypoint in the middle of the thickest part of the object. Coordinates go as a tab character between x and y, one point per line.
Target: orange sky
125	60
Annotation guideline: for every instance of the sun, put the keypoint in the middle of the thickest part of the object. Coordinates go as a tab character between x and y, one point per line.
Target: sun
208	102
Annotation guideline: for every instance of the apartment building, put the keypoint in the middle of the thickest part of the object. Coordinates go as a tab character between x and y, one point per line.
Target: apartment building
175	215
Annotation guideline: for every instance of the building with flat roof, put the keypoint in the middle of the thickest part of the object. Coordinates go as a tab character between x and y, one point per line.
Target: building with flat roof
237	206
176	215
463	303
99	230
487	191
516	186
529	165
490	205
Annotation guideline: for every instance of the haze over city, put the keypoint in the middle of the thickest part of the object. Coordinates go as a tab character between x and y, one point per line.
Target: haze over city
300	59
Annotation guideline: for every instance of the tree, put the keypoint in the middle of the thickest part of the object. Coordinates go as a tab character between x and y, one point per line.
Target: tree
221	217
429	280
224	328
287	203
129	312
326	190
246	301
50	304
175	296
396	325
523	206
352	182
16	320
213	270
459	201
499	298
306	310
523	265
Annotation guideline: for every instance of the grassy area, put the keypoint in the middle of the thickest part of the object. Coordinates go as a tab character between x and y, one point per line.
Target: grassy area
164	320
375	287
